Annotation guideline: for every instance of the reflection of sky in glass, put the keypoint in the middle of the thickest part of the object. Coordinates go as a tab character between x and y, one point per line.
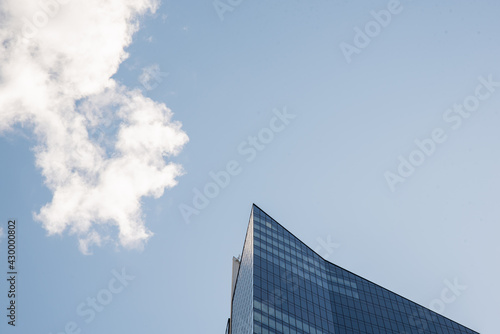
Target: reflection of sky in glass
294	293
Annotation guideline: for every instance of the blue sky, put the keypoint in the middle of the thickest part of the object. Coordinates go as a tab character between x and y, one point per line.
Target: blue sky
266	99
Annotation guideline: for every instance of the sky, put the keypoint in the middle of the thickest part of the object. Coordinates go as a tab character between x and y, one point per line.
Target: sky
135	136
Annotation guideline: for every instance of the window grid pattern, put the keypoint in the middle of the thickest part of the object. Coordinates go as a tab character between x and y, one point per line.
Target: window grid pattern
242	304
296	291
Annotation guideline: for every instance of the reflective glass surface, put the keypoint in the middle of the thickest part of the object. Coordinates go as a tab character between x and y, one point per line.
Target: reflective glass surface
296	291
242	304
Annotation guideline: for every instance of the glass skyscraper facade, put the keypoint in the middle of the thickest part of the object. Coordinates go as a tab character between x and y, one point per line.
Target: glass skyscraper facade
281	286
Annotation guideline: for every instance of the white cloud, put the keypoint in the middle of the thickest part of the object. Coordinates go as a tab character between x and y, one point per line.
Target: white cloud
151	76
92	238
101	146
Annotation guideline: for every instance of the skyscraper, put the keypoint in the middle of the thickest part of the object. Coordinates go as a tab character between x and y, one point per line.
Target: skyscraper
280	285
